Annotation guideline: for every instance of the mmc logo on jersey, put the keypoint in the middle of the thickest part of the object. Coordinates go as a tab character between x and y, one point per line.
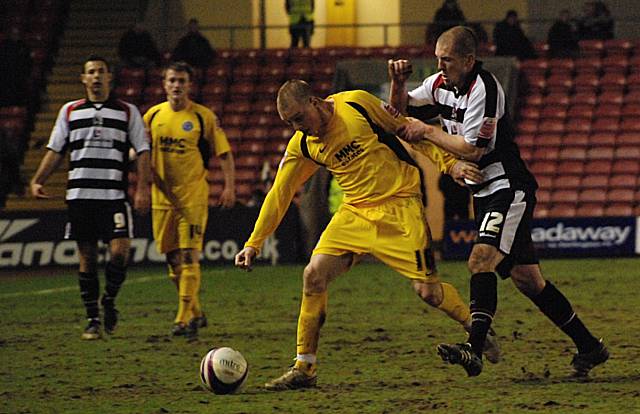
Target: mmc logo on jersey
349	152
170	144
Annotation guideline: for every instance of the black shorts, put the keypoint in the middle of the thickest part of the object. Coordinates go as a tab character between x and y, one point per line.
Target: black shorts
93	220
503	220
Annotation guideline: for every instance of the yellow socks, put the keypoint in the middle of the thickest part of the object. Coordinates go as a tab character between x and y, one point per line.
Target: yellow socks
453	305
189	286
313	312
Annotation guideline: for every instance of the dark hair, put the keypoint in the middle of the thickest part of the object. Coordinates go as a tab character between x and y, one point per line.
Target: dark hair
512	13
96	58
179	66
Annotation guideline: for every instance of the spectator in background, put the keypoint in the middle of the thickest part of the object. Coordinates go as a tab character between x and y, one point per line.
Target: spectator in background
137	48
596	23
194	48
510	40
300	21
15	69
563	37
447	16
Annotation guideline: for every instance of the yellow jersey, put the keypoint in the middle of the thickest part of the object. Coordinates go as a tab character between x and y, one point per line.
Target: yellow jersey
181	142
360	149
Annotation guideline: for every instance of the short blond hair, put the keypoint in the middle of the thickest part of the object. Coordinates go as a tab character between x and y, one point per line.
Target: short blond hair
293	92
462	39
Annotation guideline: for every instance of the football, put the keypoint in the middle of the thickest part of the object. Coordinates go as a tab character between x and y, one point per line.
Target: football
223	370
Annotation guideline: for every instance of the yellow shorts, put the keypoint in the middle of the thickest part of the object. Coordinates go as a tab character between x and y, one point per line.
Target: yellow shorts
179	229
396	232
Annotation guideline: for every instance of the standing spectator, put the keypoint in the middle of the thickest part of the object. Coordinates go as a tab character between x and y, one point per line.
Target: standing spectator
504	198
448	15
596	23
183	136
137	48
15	69
194	48
510	40
98	132
563	37
300	21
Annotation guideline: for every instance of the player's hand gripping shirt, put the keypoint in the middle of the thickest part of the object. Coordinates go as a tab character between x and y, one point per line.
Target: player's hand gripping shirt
477	112
181	143
360	149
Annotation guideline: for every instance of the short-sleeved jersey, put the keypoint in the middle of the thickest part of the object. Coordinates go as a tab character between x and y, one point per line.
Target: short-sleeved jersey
98	137
361	151
181	142
477	112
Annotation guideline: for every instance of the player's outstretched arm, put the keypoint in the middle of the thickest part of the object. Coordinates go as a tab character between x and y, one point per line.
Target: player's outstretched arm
49	164
244	259
399	71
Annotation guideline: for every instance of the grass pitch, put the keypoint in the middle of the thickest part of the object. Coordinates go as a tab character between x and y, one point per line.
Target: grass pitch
377	349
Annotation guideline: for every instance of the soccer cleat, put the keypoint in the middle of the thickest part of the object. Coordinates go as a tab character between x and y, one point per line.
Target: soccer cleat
189	331
92	331
491	349
582	363
292	380
199	321
110	316
461	354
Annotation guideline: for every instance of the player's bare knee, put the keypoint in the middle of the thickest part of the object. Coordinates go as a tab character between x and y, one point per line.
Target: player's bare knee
481	259
430	293
528	282
118	259
315	281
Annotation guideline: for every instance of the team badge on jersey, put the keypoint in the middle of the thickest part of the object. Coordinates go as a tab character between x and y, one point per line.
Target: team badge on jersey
187	126
488	128
390	109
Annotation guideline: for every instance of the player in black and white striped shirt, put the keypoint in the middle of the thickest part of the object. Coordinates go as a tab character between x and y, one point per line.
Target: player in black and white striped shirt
470	104
98	132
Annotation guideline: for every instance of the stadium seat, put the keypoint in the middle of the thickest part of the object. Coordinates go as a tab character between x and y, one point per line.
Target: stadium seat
248	151
543	196
300	55
618	47
237	106
541	210
217	106
266	91
526	140
548	140
534	99
214	90
615	64
231	119
630	125
600	152
592	196
586	83
299	71
272	72
535	84
275	55
633	81
570	167
623	181
130	93
582	112
625	167
255	133
610	98
619	209
233	133
564	196
621	195
627	152
595	181
539	167
554	111
323	72
579	126
631	110
266	106
545	181
536	67
590	210
153	94
607	124
572	154
245	73
590	66
530	113
597	167
551	126
628	138
545	153
131	76
602	139
584	98
567	182
591	48
242	90
562	210
260	120
564	67
559	84
220	72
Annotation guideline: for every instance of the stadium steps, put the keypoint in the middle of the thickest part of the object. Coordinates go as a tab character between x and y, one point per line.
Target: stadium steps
91	28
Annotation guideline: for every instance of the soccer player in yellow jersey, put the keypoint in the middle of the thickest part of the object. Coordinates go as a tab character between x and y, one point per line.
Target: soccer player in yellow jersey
183	135
351	135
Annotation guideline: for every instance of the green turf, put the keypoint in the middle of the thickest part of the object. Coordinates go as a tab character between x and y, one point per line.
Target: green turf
376	351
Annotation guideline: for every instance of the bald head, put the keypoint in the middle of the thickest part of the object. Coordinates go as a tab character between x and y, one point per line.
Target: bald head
293	93
460	39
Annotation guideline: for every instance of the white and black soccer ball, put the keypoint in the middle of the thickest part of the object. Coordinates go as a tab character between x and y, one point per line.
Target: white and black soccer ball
224	370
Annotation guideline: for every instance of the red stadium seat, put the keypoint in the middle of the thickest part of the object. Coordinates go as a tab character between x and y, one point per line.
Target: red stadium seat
613	82
623	181
545	181
618	47
576	139
131	76
556	98
592	196
621	195
591	66
540	167
585	98
572	154
299	71
586	83
241	90
584	112
627	152
535	84
631	110
564	67
591	48
626	167
564	196
543	196
260	120
599	181
272	72
551	126
610	97
267	91
567	182
231	119
215	90
323	72
559	84
597	167
546	153
530	113
275	55
554	111
237	106
525	140
571	167
220	72
630	125
600	153
527	127
615	64
619	209
606	125
538	67
300	55
247	72
603	139
590	210
542	210
255	133
535	99
267	107
562	210
548	140
628	138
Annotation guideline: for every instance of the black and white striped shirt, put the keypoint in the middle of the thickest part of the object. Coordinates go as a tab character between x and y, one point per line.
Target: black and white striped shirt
477	112
98	137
